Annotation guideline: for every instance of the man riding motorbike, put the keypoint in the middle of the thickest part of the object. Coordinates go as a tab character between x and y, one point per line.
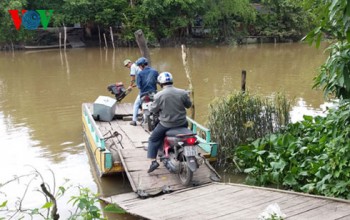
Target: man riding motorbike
170	104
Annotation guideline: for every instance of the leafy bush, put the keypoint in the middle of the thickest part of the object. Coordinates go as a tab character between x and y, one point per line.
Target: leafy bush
310	156
86	203
241	117
86	208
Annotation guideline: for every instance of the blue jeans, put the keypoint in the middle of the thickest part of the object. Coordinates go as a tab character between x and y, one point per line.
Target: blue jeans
137	104
156	139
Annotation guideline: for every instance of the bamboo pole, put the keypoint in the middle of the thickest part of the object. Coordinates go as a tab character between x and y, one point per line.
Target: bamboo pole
67	64
99	34
60	40
65	38
104	36
142	43
111	32
188	75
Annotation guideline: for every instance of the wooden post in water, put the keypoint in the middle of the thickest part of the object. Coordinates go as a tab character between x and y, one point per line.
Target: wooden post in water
188	75
142	43
65	37
104	36
111	31
59	40
244	76
99	34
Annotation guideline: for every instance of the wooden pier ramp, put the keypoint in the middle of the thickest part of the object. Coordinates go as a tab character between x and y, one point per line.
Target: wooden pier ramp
231	201
129	146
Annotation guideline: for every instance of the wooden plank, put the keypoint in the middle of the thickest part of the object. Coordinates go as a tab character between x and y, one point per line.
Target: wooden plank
328	210
124	109
233	201
256	207
131	154
134	136
346	217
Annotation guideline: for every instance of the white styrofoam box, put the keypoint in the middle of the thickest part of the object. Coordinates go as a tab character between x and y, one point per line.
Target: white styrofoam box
104	108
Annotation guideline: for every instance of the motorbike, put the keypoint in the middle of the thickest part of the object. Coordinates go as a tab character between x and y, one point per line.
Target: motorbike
149	119
180	154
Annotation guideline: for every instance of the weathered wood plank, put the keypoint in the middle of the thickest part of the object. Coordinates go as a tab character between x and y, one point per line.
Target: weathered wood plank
233	201
124	109
326	210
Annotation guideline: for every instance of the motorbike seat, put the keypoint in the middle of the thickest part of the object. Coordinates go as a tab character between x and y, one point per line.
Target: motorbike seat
179	132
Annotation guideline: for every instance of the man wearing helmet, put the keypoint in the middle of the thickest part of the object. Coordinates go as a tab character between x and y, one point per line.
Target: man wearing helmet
170	104
147	79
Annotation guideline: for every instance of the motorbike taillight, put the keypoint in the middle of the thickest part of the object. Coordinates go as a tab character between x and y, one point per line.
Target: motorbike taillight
146	98
191	140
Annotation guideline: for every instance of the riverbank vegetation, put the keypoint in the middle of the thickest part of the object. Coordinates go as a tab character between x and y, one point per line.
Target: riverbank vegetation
311	155
164	22
241	117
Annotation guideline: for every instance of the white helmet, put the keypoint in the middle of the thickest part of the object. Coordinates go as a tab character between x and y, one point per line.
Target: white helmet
165	77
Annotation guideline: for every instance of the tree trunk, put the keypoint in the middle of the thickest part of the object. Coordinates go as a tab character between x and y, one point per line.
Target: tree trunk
142	43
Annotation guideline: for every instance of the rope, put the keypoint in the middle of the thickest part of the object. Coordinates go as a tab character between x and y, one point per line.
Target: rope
115	134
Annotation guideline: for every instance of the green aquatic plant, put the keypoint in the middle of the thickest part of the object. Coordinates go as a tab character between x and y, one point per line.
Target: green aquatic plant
310	156
241	117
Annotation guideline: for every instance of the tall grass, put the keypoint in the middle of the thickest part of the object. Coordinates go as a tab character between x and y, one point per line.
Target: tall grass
240	117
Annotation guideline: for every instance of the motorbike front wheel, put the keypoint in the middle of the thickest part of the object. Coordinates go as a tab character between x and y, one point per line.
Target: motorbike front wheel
185	173
149	123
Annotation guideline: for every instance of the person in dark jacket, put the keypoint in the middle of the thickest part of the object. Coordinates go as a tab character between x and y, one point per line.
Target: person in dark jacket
146	80
170	104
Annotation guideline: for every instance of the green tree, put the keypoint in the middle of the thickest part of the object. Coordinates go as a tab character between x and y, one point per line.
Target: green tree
333	21
225	17
283	19
170	18
9	34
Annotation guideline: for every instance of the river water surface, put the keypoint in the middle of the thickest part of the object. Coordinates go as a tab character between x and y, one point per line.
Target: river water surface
41	93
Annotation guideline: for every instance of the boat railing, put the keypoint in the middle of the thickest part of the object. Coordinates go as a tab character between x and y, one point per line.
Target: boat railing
204	137
93	128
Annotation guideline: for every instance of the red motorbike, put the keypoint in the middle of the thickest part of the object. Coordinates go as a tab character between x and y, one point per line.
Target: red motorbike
180	154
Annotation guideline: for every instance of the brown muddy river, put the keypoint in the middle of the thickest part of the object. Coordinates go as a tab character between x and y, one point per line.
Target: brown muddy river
41	94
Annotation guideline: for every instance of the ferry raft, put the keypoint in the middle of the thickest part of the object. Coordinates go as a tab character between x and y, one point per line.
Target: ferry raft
115	146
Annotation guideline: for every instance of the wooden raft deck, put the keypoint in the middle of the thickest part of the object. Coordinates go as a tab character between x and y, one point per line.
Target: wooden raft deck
130	148
231	201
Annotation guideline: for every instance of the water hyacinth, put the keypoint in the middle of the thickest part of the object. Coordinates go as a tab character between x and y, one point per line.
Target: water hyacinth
311	156
241	117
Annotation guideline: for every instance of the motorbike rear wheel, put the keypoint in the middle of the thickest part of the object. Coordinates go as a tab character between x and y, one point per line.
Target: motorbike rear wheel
185	173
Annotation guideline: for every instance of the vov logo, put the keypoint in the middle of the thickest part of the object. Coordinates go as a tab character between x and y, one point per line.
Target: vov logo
31	19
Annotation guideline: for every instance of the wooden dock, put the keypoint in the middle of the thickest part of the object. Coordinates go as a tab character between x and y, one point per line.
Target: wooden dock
231	201
160	195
